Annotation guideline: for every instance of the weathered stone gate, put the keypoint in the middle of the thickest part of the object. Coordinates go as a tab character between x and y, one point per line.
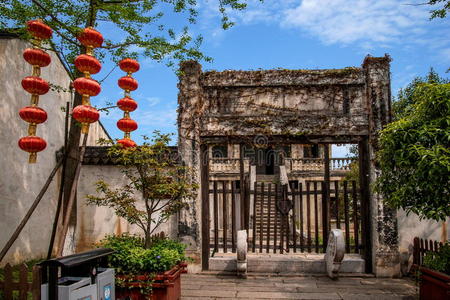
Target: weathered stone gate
288	106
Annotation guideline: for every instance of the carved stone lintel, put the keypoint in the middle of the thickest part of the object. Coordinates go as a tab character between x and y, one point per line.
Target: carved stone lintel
335	252
242	245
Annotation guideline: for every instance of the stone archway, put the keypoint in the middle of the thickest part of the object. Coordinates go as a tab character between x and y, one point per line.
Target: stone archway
311	106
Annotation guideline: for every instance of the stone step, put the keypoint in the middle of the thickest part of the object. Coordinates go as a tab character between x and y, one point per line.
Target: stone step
285	263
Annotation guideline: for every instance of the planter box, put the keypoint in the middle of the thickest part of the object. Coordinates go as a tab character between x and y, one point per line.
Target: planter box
434	285
166	286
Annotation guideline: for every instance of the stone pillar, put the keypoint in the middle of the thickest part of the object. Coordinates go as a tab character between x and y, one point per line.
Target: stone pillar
189	106
383	219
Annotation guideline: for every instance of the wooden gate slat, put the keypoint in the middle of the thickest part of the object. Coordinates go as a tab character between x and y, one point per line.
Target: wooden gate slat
336	194
294	228
269	208
286	218
346	219
308	214
216	218
23	282
276	220
233	217
7	282
302	242
316	218
225	215
261	213
36	285
254	217
355	216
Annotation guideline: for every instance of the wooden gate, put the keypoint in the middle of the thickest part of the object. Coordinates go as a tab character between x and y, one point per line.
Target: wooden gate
281	219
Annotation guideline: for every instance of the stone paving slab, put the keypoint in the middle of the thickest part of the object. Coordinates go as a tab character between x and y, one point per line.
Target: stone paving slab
203	287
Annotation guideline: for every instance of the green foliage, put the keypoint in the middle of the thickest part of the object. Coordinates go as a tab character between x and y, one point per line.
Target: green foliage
442	12
415	155
440	260
155	178
145	24
131	257
403	105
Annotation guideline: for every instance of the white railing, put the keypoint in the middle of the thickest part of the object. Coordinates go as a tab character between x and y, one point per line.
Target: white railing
317	164
227	165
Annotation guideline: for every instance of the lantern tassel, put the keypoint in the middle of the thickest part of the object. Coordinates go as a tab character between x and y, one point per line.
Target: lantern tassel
32	158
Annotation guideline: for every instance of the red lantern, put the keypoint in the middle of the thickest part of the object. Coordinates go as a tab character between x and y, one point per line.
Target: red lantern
129	65
39	30
87	64
127	104
85	114
127	125
32	144
128	83
127	143
87	86
33	114
35	85
90	37
37	57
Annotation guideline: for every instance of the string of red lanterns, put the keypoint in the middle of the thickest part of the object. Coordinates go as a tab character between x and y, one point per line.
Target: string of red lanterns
86	86
127	104
36	86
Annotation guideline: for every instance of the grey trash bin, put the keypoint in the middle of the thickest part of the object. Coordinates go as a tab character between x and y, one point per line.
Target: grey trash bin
82	276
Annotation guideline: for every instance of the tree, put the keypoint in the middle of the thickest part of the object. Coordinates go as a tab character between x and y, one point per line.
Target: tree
442	12
153	171
414	155
403	105
138	23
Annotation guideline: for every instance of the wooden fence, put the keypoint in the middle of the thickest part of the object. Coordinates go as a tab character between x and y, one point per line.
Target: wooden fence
28	285
421	247
301	229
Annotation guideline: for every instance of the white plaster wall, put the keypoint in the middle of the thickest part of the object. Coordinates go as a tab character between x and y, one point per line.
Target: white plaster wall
409	227
20	182
93	222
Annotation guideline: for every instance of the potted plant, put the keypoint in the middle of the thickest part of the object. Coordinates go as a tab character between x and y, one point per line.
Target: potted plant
157	187
435	274
146	272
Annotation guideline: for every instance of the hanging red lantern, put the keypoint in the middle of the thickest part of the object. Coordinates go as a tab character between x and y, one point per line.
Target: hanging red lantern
128	83
35	85
129	65
127	125
127	104
32	144
87	64
86	115
87	86
37	57
127	143
33	114
39	30
90	37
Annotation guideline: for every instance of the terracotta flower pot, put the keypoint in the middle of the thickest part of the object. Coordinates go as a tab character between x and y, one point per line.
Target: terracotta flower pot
165	286
433	284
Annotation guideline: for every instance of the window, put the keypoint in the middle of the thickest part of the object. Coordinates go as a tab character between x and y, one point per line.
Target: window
220	151
311	151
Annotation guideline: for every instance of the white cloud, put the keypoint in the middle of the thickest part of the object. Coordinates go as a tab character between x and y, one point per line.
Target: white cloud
362	21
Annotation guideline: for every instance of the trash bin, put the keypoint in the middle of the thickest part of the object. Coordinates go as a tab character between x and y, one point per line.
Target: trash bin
82	276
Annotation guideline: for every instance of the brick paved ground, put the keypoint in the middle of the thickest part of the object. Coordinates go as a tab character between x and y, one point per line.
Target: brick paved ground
202	287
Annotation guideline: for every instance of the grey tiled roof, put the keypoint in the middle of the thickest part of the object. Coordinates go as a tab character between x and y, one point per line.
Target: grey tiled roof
98	155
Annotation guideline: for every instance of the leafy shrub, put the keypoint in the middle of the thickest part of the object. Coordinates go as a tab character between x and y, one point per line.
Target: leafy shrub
440	260
131	257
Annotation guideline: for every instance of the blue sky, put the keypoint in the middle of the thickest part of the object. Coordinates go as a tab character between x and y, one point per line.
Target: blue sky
301	34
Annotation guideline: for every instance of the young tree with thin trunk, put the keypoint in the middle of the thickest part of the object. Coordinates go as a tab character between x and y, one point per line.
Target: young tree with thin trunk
158	186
